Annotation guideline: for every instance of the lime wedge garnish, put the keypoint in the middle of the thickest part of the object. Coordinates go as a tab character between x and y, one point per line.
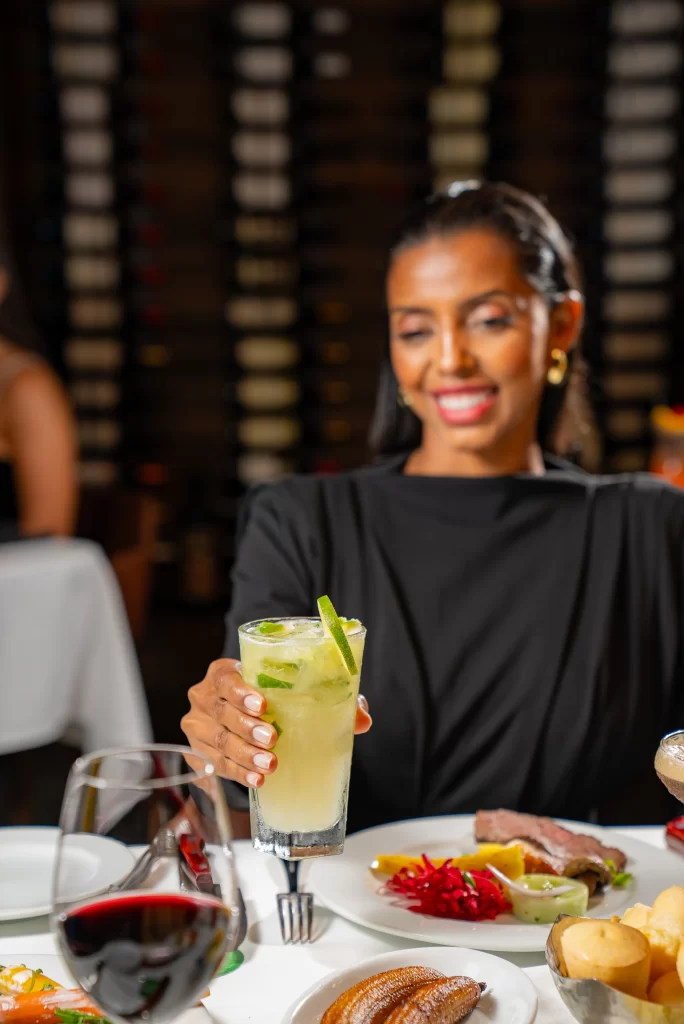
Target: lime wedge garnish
349	625
270	628
271	683
334	629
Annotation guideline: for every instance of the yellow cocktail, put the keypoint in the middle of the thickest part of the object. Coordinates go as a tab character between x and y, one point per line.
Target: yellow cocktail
311	690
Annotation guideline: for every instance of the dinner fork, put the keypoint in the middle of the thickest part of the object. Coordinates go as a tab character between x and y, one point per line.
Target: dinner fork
295	908
164	844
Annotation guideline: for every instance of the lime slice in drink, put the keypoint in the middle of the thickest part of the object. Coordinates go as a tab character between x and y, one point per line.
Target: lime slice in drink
332	627
270	628
350	625
266	682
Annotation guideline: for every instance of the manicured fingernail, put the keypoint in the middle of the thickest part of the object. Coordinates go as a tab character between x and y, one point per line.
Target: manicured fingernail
363	703
262	760
262	734
253	780
253	702
238	667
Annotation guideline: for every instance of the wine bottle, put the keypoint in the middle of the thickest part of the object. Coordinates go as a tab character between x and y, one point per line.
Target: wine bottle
82	353
643	227
649	266
83	17
636	306
641	17
636	346
263	352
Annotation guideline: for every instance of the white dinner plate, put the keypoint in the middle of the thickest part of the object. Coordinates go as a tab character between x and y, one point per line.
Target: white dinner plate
54	967
348	886
27	860
510	997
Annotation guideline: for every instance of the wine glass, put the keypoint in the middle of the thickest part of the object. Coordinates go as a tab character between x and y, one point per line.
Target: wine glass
146	901
669	763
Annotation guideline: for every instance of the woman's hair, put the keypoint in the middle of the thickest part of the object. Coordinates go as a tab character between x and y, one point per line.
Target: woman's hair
547	261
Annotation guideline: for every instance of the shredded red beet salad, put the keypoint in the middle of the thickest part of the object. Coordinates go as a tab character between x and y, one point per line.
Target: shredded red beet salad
448	892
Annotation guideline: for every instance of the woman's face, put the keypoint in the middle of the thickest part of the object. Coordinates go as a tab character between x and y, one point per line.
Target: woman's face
471	340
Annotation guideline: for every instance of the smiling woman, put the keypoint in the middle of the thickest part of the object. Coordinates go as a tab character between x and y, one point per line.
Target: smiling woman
504	305
503	589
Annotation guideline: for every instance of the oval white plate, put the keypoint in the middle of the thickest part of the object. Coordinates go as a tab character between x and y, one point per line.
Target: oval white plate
350	889
54	967
27	861
510	997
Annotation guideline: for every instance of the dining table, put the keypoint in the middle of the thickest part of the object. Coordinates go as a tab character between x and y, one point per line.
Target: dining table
273	976
68	665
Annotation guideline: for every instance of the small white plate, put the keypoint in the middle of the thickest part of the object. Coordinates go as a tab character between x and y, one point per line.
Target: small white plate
510	997
54	967
27	861
348	886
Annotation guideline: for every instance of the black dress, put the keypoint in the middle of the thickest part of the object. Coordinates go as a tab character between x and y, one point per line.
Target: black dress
9	511
524	644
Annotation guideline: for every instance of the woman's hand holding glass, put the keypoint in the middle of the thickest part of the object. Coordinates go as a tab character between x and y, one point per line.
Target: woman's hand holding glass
224	722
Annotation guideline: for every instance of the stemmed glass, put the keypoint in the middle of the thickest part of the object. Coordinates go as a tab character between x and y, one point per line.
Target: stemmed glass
146	901
669	763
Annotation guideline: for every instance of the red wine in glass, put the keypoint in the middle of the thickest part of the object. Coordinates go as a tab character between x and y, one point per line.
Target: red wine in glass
145	892
145	956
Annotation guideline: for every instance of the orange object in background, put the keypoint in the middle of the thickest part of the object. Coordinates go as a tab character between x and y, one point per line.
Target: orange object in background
667	459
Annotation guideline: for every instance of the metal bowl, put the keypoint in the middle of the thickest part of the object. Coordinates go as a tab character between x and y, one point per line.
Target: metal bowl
592	1002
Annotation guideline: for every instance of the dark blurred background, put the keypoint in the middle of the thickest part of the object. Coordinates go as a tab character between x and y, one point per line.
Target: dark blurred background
199	196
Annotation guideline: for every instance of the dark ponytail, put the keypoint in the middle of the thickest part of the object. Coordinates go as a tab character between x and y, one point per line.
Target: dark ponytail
549	264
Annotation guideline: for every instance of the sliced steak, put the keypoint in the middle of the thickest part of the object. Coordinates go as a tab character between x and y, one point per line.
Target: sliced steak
590	869
558	842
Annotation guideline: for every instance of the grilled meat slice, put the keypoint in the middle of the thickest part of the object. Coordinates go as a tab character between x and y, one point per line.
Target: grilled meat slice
591	870
573	853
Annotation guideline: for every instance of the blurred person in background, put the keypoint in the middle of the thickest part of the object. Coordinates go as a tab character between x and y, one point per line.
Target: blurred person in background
38	450
525	619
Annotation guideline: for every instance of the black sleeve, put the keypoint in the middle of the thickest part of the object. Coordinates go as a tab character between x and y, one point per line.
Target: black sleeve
271	576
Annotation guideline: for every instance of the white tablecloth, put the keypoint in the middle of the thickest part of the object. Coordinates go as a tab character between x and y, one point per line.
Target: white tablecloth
273	975
67	659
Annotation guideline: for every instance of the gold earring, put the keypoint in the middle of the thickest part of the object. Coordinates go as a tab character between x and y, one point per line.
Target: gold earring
557	372
403	400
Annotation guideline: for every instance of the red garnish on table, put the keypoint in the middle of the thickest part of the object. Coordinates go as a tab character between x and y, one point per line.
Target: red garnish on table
674	835
449	892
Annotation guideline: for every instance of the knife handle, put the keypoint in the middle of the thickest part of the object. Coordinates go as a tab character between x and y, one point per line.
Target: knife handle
196	863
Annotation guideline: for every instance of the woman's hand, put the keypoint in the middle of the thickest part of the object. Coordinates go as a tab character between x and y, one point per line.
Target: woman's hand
223	722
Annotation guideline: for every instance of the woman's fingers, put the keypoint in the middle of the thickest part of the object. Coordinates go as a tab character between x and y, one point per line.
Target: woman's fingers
228	769
363	718
223	723
219	724
233	757
225	683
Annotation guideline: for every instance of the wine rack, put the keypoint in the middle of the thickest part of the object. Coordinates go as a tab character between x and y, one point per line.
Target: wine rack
641	146
84	61
201	196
